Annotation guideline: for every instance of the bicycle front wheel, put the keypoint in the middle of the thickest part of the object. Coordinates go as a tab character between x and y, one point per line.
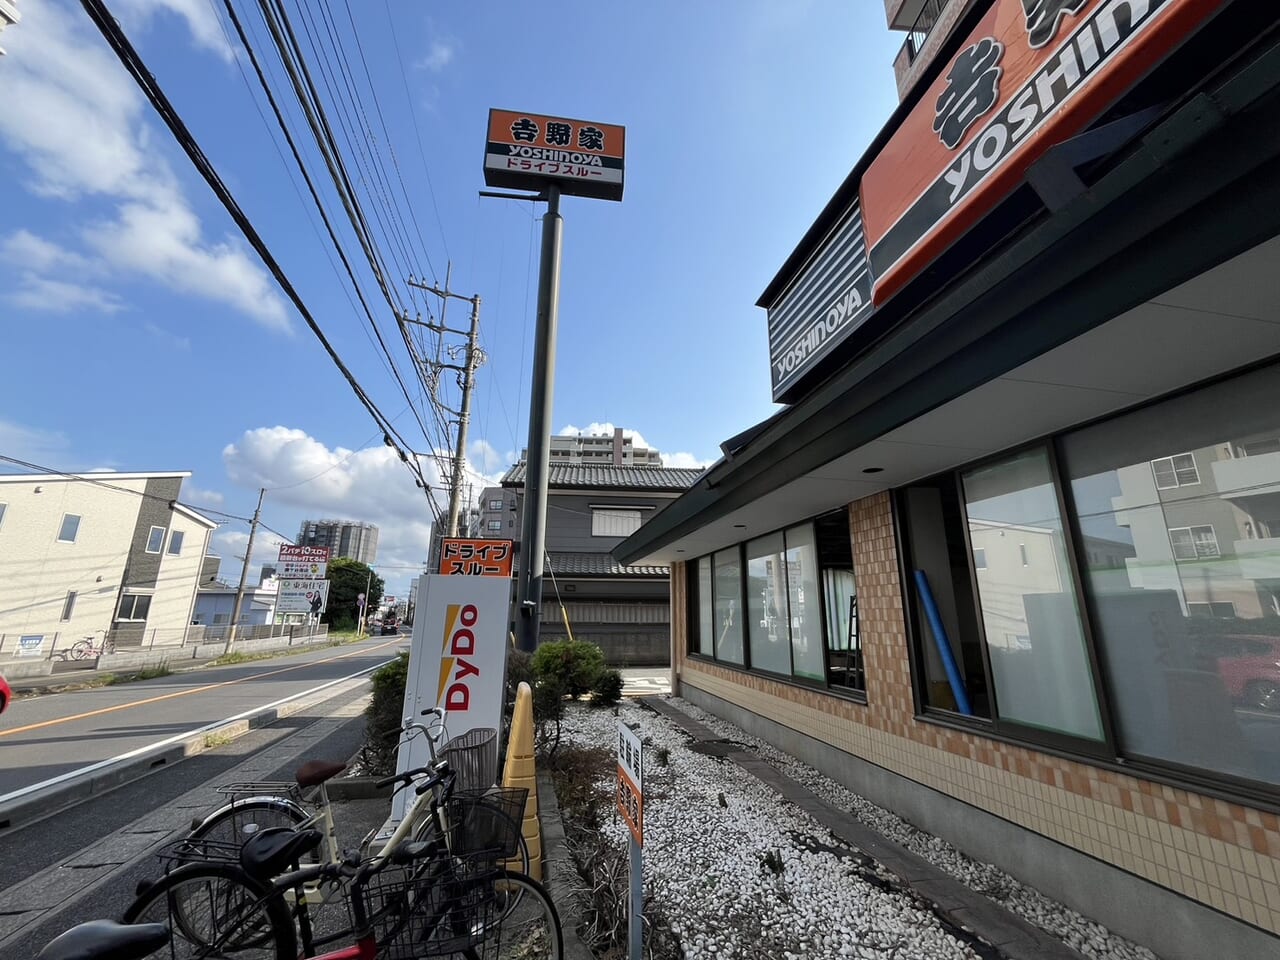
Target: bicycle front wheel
217	910
524	923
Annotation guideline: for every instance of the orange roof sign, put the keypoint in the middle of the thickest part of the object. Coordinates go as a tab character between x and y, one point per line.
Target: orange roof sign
476	558
526	151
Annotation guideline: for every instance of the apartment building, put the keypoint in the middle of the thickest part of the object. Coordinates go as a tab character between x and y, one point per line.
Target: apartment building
608	449
98	553
344	538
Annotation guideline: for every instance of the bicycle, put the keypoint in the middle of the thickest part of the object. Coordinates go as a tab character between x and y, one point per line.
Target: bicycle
254	806
413	899
88	649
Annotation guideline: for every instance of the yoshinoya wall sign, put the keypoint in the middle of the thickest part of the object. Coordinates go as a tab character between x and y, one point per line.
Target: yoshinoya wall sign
1031	74
526	151
828	300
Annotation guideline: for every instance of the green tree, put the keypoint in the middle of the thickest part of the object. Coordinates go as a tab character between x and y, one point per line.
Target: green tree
347	580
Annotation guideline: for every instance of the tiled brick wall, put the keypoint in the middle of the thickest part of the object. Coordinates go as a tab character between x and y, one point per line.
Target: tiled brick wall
1221	854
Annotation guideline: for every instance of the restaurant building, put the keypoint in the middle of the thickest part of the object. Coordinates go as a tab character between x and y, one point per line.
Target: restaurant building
1007	562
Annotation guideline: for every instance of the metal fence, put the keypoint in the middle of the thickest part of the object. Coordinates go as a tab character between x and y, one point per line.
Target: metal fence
61	645
929	15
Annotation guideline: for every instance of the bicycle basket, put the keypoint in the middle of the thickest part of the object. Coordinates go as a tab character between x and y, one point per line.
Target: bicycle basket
486	823
474	757
432	907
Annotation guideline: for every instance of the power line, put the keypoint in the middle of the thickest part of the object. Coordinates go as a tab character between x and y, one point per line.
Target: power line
133	63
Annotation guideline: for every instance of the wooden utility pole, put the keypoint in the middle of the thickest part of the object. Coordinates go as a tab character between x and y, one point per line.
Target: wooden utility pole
244	570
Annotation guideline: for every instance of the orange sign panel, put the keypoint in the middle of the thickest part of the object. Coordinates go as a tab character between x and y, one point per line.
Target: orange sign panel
526	151
630	796
476	558
1032	74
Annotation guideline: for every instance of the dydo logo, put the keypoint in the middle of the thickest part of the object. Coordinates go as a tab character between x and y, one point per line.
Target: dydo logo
457	644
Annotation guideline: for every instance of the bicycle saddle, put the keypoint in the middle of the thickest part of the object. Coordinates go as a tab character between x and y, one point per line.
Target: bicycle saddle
274	850
107	940
315	772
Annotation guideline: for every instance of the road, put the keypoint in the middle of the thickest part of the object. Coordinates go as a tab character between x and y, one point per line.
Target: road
52	736
85	861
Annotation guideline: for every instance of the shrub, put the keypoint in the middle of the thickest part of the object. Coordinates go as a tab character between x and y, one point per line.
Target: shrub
573	664
607	690
383	717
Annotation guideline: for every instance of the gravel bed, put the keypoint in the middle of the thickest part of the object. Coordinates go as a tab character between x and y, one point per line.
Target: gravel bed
742	873
1078	932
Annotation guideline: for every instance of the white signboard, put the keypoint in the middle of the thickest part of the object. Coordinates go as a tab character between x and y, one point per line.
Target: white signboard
31	645
302	563
630	797
302	596
457	660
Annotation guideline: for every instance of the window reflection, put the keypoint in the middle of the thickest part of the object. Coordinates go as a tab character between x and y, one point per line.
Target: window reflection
1034	632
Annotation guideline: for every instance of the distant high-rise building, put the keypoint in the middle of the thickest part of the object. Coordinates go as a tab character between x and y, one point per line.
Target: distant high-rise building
606	450
344	538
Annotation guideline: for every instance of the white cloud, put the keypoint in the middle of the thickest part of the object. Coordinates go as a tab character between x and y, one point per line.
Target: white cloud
24	249
230	545
439	55
208	497
684	460
61	296
201	20
84	130
484	460
368	486
29	443
171	340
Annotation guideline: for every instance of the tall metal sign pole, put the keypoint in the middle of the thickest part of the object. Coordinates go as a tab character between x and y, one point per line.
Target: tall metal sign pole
553	156
533	531
630	801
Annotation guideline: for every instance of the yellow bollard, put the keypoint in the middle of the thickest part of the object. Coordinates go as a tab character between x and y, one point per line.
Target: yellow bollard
519	772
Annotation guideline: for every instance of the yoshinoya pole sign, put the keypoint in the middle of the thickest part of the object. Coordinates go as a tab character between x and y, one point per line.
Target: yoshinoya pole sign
302	562
552	156
630	799
526	150
456	660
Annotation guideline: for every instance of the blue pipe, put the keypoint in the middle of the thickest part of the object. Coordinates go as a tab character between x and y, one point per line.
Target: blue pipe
943	644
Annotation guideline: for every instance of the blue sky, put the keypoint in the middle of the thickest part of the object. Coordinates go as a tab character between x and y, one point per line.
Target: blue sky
144	334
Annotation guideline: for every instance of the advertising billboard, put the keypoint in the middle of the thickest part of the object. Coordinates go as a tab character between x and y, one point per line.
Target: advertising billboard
526	151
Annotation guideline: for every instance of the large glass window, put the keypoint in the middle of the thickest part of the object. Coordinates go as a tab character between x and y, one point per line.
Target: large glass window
804	604
1034	632
1184	581
800	604
70	528
705	600
940	584
768	617
155	540
134	606
728	593
840	601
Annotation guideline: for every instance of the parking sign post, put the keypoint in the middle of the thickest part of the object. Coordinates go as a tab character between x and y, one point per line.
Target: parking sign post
630	800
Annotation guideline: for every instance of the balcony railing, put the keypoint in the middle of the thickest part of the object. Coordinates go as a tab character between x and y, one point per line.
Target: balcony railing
929	15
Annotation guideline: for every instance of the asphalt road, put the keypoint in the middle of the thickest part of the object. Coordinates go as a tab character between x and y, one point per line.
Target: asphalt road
54	735
28	850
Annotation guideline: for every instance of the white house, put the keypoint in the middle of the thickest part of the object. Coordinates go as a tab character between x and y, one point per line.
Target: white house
82	555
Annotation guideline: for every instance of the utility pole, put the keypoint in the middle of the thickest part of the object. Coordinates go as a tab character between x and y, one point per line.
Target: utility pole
473	357
244	570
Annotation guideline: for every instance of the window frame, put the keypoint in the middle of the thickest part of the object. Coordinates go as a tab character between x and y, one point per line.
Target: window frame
824	685
4	509
1177	483
1005	729
602	511
500	504
69	606
1195	544
493	525
75	534
181	537
133	596
151	535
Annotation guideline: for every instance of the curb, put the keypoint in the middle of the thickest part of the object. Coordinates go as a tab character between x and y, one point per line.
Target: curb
39	804
559	870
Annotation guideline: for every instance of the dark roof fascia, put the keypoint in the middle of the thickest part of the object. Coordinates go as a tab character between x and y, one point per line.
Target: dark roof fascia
847	192
969	334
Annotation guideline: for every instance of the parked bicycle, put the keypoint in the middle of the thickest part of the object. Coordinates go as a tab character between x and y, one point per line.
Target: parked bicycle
254	806
90	648
447	894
